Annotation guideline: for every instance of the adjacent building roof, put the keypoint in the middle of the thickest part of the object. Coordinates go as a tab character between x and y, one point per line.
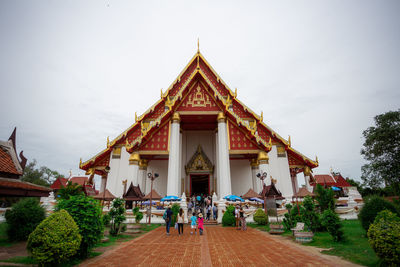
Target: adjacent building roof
17	188
81	180
59	183
331	180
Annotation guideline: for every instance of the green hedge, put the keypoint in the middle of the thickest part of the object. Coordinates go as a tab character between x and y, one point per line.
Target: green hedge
23	218
384	237
371	208
331	221
55	239
87	214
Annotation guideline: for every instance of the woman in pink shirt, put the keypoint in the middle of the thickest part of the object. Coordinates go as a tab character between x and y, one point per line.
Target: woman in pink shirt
200	222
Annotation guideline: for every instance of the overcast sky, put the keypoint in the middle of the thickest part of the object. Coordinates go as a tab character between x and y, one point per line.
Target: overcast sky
74	72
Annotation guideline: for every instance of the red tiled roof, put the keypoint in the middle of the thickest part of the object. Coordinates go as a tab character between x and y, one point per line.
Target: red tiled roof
303	192
7	164
341	182
107	195
81	180
60	181
325	179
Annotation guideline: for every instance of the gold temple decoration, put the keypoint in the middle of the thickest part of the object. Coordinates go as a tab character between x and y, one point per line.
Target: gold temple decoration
235	95
176	117
307	171
80	162
161	93
316	159
262	116
116	154
108	141
134	158
263	157
199	163
136	119
199	99
289	141
221	117
198	45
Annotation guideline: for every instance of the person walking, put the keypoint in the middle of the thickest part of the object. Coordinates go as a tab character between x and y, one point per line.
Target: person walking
200	223
193	224
168	217
214	212
243	219
180	221
237	217
208	212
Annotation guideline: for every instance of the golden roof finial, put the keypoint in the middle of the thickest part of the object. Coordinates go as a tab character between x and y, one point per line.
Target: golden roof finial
80	162
135	117
198	45
270	142
331	170
108	141
289	141
161	93
262	116
235	92
316	159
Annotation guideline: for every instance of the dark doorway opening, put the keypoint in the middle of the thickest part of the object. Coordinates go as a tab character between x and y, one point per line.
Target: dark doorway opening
199	184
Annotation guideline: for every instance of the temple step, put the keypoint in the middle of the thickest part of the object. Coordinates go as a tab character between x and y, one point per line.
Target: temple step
211	222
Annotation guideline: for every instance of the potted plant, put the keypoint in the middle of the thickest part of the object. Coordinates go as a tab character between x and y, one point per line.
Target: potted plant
304	236
276	228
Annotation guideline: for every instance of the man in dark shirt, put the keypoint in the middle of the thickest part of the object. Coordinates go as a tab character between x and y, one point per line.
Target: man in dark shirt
168	219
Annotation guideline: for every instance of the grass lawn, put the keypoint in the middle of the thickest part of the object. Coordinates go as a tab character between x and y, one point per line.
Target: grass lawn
355	248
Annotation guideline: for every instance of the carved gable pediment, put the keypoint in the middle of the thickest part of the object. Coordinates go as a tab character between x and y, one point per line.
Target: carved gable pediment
199	163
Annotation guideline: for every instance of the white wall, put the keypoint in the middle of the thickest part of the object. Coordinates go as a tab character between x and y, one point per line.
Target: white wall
279	169
160	184
240	176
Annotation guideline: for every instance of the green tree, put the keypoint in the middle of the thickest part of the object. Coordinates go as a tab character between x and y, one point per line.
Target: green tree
39	175
117	215
72	189
382	150
325	198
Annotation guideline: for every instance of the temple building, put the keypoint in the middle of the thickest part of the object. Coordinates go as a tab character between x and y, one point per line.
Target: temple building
199	138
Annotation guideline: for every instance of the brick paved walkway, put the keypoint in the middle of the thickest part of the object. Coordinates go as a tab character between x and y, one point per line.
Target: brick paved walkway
217	247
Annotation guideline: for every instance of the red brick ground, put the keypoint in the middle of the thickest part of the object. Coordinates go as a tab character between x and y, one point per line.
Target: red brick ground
217	247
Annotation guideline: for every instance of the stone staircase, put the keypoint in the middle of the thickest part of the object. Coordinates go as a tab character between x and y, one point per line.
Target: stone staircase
210	222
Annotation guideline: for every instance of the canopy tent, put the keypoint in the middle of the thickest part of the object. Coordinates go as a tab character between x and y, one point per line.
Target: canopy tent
233	198
170	198
153	194
251	194
256	199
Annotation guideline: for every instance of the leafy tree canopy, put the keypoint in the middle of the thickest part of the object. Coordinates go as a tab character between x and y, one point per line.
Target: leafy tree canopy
382	151
39	175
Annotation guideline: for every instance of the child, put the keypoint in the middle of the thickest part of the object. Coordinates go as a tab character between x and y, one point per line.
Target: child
193	224
200	222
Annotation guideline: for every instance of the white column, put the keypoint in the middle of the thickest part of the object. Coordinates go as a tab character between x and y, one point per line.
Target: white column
263	160
133	169
180	165
103	183
223	155
295	185
254	170
143	174
218	192
307	175
173	160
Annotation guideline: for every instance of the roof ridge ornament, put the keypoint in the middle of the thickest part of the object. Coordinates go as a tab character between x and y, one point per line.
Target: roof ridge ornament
198	45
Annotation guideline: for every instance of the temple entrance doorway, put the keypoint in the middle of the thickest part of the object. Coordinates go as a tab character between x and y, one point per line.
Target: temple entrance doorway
199	184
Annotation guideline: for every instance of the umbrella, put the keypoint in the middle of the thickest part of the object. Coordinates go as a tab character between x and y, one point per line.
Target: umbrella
233	198
148	202
334	188
170	198
256	199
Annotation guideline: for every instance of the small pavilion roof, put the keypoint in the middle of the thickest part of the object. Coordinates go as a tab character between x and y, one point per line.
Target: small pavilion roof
16	187
134	193
341	182
303	192
154	194
251	193
107	195
270	191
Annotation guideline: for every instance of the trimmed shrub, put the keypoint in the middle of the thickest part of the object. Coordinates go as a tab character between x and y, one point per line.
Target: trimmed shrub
309	216
87	214
138	217
384	237
106	219
325	198
23	218
55	240
332	223
117	216
260	217
371	208
228	219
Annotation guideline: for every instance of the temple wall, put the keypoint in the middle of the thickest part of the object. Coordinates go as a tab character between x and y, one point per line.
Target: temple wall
160	184
240	176
279	170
